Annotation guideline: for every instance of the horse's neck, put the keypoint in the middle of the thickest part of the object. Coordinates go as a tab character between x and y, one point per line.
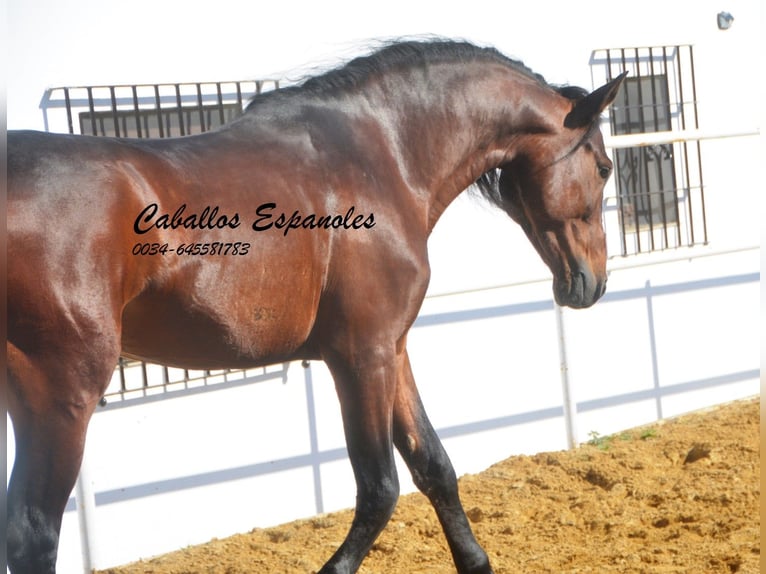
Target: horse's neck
444	126
456	130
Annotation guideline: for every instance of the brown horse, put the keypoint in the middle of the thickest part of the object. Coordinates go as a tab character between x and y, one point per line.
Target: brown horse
298	231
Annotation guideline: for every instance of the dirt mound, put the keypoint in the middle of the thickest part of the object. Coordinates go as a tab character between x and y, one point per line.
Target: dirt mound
680	496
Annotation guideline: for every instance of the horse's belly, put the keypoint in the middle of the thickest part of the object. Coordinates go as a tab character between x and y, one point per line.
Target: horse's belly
222	334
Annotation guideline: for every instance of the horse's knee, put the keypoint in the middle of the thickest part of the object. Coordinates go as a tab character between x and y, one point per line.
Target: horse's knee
32	542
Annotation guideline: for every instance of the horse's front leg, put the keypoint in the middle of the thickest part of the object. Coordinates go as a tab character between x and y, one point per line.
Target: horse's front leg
433	473
366	388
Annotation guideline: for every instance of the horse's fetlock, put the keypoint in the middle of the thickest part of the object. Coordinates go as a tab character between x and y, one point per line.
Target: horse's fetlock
26	555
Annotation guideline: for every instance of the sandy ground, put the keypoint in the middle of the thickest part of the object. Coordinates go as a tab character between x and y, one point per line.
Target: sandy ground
681	496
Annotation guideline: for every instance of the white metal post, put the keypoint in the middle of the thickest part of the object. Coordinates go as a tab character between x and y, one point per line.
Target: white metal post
570	406
86	514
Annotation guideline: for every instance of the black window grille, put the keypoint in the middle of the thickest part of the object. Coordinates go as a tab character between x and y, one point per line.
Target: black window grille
148	110
157	123
660	201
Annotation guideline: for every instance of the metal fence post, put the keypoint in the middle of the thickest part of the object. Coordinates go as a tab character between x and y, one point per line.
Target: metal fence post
570	406
313	436
86	514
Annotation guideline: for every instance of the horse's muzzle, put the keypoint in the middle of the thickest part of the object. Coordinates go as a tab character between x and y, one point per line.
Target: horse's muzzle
580	290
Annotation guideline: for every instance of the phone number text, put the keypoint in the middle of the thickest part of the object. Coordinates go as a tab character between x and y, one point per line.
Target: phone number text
191	249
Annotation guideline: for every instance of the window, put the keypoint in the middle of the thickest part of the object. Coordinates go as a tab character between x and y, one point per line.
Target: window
659	200
645	176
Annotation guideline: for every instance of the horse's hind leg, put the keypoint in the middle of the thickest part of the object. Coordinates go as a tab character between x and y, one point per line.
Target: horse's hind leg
433	473
50	406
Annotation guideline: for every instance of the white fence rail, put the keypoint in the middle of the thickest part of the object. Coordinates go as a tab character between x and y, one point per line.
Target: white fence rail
676	136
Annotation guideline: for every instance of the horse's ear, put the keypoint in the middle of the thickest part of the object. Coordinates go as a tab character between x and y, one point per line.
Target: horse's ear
587	110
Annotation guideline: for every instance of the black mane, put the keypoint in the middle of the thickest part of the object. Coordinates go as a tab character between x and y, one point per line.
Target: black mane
398	55
394	56
404	54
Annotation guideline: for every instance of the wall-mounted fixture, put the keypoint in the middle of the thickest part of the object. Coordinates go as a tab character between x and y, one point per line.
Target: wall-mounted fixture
724	20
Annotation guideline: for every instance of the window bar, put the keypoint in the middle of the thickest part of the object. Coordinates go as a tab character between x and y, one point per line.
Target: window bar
702	195
639	93
121	365
180	110
687	172
699	146
219	99
644	151
618	162
646	193
612	117
632	192
621	207
652	74
144	376
672	148
630	185
694	88
158	104
669	99
635	196
92	109
239	97
68	104
681	89
625	92
201	110
139	132
115	117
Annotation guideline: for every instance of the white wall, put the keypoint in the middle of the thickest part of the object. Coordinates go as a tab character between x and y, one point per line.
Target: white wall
669	336
88	42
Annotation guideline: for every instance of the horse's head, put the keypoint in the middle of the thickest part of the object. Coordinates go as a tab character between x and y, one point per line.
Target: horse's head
554	189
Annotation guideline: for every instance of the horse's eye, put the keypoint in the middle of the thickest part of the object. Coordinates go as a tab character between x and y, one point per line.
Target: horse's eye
604	171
